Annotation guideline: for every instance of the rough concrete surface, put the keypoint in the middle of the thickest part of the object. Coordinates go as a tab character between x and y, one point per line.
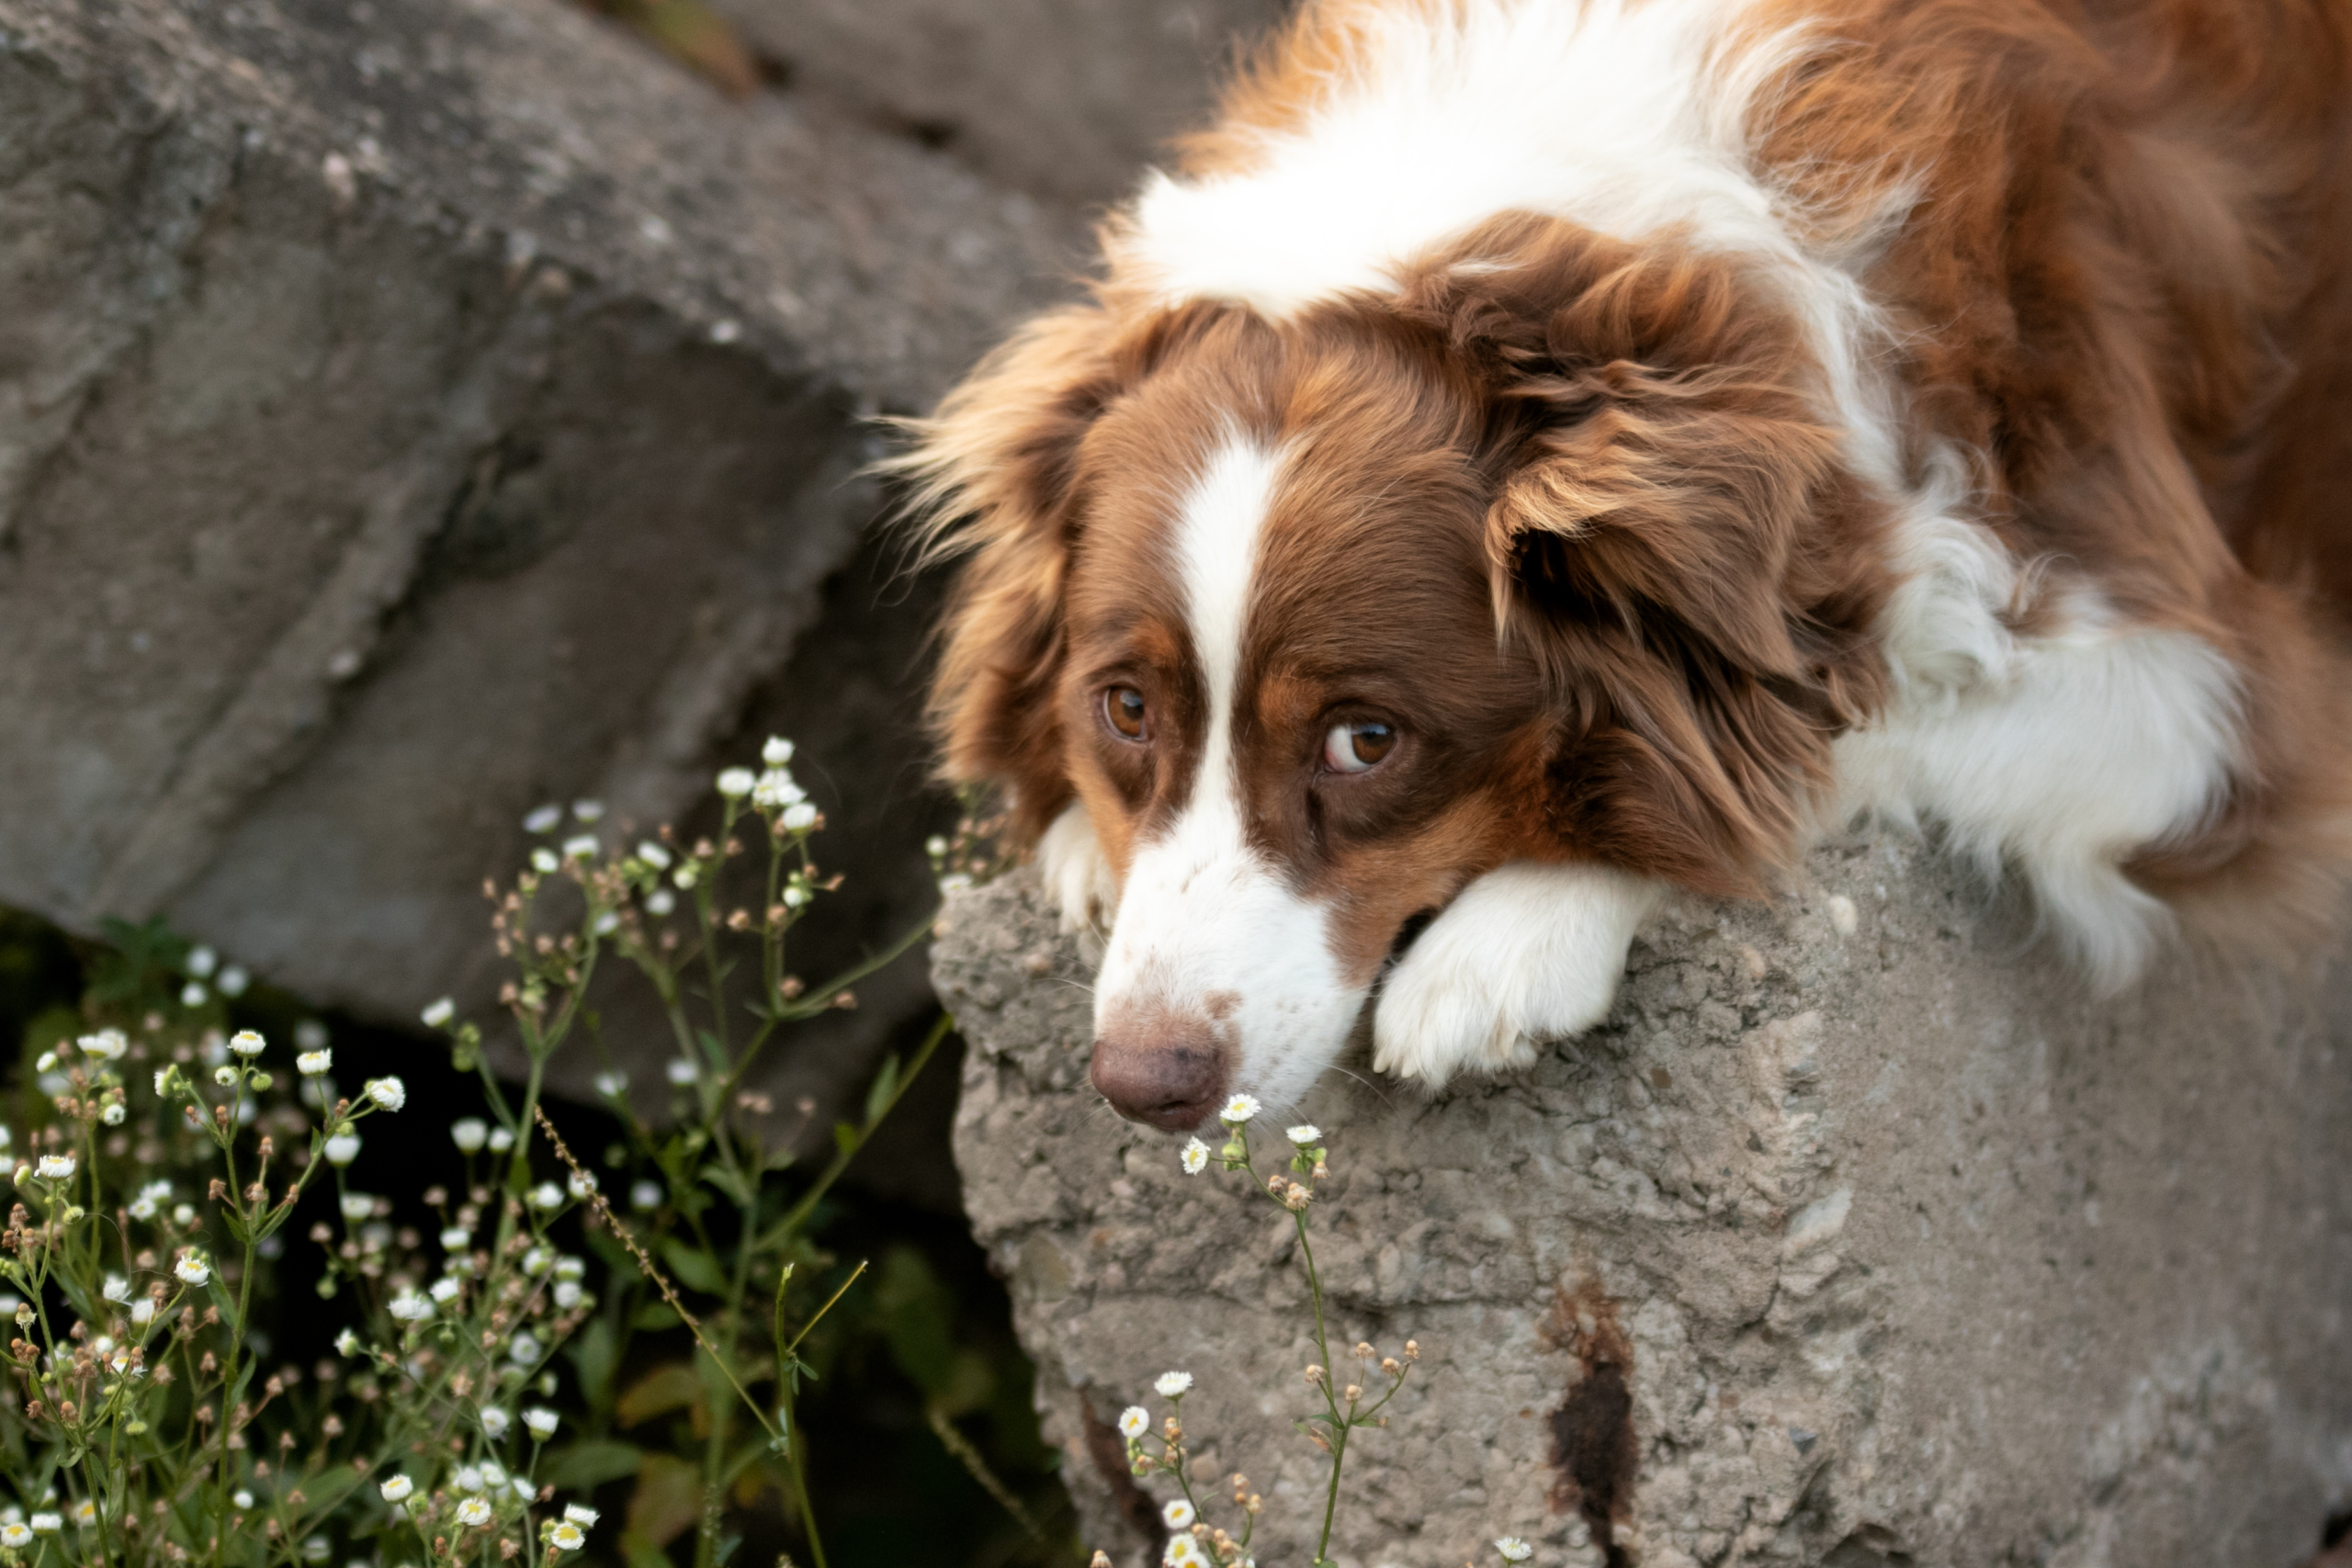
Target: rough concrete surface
1856	1236
1068	98
415	410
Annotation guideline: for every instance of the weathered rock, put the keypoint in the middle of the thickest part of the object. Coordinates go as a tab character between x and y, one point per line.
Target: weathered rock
1068	98
1857	1235
415	410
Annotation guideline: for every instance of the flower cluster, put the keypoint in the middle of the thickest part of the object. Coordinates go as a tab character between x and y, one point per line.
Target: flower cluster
167	1149
1348	1406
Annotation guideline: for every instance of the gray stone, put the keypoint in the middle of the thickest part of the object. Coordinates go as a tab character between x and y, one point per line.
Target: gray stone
1857	1235
415	410
1068	98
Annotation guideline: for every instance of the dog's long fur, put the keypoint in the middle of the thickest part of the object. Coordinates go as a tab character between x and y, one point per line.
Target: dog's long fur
1682	424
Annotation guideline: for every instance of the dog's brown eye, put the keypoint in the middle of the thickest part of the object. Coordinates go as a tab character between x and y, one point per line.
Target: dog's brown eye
1122	705
1353	748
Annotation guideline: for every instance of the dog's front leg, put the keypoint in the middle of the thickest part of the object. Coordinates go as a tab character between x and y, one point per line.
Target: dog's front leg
1527	953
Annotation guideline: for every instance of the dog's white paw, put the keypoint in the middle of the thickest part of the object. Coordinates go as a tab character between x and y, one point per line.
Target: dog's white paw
1528	952
1076	875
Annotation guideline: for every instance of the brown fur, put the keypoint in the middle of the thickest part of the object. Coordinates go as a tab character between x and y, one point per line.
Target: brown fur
1580	513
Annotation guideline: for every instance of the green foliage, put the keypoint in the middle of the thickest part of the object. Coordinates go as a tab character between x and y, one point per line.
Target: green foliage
487	1381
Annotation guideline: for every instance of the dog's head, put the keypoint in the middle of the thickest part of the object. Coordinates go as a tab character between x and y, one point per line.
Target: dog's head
1316	619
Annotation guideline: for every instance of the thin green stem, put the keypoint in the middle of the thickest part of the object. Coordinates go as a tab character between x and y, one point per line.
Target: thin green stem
797	1215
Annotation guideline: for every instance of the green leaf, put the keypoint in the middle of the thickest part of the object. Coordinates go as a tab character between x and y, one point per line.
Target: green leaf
590	1464
885	1086
667	1500
698	1269
712	1049
844	1137
655	1317
665	1388
917	1317
597	1355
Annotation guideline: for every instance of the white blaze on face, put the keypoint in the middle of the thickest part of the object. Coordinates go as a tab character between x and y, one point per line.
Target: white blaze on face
1208	928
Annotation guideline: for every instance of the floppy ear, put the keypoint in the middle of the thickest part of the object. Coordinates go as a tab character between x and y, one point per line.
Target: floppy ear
993	475
1673	536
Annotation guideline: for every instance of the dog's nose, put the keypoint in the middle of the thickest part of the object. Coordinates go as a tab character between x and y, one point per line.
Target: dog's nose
1171	1074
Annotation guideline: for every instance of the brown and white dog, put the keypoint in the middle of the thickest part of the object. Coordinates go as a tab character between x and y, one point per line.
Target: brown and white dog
1535	453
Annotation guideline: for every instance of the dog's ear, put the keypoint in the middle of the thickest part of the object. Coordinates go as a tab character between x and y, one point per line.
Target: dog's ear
992	475
1672	536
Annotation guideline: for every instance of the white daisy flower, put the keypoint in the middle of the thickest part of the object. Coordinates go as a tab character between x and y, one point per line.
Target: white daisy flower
1195	1156
1303	1135
390	1093
1171	1385
396	1488
542	1423
581	1514
14	1534
439	1013
56	1167
737	782
777	788
192	994
501	1140
192	1268
580	846
445	1290
225	1077
547	1195
470	1133
1513	1549
494	1422
311	1064
543	818
1183	1551
567	1296
342	1148
1178	1513
659	902
1133	1422
201	962
543	860
1241	1108
798	816
612	1084
234	980
565	1536
680	1070
117	1289
588	810
346	1343
474	1512
653	855
776	752
645	1195
410	1307
580	1183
